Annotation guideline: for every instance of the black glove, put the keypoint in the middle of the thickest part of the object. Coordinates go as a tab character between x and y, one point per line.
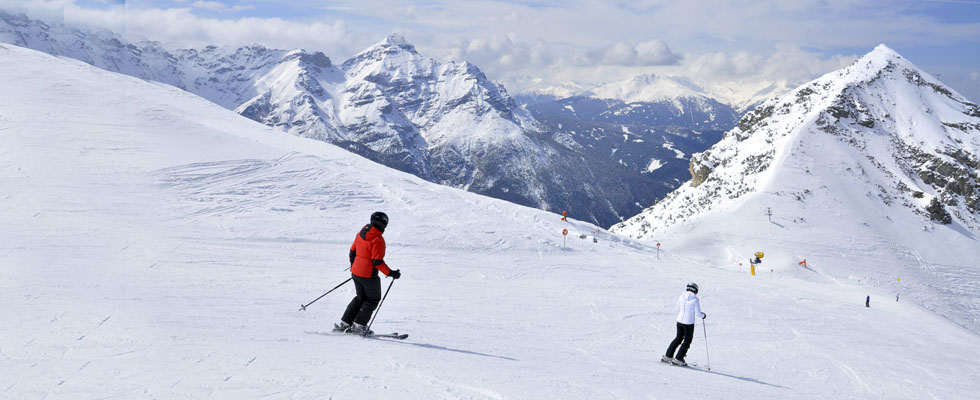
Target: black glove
395	274
704	315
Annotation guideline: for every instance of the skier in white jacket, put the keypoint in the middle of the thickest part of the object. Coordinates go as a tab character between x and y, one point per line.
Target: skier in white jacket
688	306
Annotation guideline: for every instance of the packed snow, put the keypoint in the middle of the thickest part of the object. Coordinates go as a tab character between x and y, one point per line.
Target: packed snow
156	245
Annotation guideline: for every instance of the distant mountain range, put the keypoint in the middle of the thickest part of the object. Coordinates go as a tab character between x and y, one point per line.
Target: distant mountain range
652	102
655	88
444	122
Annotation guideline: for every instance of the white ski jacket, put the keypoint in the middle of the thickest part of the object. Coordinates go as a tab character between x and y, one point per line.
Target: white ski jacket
688	306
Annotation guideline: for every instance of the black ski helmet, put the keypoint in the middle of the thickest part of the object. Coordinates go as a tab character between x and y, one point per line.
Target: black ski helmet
380	220
692	287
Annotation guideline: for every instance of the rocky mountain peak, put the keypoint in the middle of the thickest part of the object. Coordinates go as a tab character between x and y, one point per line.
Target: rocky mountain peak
909	139
396	40
392	44
315	59
393	54
882	51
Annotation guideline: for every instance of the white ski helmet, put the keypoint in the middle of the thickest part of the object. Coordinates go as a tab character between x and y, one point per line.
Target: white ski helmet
692	287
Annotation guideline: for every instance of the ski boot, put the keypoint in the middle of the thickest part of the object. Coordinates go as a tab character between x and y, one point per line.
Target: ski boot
360	330
342	327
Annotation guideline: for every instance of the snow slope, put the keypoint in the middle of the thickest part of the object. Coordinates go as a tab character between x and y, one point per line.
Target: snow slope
155	245
858	169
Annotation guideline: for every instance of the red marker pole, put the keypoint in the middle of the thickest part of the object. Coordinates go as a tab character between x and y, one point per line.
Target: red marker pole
658	250
564	237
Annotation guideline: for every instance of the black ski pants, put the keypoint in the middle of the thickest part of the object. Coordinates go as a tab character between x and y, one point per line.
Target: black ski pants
362	306
685	333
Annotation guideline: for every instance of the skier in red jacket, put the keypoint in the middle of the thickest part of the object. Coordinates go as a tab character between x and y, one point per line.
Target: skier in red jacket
366	259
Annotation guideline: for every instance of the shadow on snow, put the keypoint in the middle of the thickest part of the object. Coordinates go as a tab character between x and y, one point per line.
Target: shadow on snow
741	378
424	346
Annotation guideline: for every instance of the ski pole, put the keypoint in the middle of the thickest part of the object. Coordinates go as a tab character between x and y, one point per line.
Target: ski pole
368	329
706	344
303	307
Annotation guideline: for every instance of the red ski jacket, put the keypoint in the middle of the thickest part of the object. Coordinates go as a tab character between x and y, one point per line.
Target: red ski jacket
367	253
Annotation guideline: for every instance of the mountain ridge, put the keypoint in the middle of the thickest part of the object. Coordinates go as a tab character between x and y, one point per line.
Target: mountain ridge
877	151
445	122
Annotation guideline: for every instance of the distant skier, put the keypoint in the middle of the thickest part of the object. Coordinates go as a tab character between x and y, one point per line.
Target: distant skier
366	259
688	306
867	302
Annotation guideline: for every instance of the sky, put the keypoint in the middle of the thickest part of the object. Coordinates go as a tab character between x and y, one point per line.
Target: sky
577	44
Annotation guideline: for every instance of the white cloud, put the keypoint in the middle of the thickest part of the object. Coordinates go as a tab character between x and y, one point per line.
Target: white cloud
652	52
785	61
740	72
497	55
578	42
504	55
220	7
180	27
48	10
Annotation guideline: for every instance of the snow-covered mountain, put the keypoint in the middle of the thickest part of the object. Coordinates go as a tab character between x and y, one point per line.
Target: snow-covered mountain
649	88
453	109
473	135
230	77
741	96
557	91
446	123
156	245
878	152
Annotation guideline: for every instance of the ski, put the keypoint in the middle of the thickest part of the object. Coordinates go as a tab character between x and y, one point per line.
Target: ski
394	335
688	365
692	366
